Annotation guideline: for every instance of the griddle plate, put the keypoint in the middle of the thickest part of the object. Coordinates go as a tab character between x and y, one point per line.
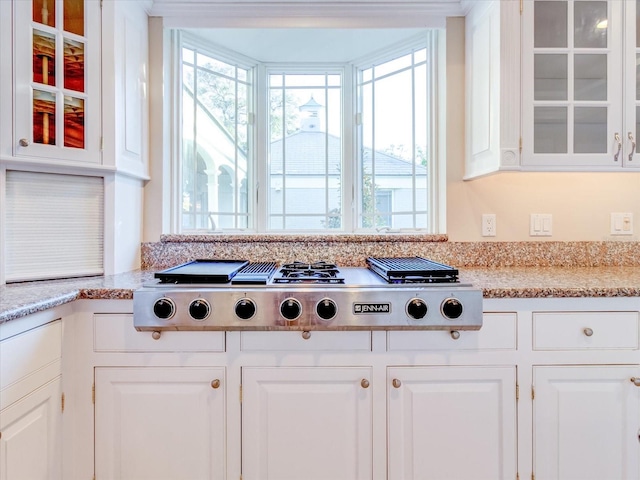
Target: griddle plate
202	271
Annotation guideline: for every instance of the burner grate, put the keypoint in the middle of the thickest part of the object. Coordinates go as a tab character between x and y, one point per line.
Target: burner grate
301	272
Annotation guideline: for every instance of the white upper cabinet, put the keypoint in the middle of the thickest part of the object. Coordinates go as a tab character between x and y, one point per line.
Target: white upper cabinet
577	97
56	83
492	85
579	84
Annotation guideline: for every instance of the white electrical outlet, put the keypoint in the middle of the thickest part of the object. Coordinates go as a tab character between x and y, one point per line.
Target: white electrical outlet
622	224
489	225
541	225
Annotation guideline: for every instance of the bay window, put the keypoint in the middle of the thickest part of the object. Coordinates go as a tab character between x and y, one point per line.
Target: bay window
304	146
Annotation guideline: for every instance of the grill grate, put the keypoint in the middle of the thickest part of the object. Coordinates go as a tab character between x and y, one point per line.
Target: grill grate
412	270
257	273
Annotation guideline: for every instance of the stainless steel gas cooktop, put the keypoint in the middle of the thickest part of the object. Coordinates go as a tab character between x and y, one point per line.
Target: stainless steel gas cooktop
409	293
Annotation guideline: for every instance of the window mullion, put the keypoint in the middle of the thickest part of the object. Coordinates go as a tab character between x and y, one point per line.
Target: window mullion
349	156
261	153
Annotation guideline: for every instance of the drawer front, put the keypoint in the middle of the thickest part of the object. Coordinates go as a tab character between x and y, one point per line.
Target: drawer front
306	341
115	333
498	332
29	352
585	330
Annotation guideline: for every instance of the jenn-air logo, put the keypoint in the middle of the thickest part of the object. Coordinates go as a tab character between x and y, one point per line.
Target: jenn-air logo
360	308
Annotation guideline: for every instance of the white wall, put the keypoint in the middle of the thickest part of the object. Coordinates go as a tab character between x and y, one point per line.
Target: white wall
581	203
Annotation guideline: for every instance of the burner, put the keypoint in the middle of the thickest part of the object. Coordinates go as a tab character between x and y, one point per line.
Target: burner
300	272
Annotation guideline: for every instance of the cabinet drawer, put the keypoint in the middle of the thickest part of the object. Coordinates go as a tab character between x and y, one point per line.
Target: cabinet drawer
306	341
30	352
115	333
585	330
498	332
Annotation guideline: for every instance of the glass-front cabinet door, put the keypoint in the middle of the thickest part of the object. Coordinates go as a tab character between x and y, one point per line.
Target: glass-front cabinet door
57	79
574	89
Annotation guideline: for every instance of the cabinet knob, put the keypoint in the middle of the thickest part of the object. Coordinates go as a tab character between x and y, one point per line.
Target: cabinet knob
588	331
215	383
306	335
24	142
396	383
156	334
364	383
635	381
455	334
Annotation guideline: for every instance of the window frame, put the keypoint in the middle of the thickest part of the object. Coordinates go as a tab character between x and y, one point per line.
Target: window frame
258	150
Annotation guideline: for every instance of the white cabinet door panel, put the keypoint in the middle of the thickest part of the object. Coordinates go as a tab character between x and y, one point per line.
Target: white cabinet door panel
306	423
159	423
586	423
453	423
31	440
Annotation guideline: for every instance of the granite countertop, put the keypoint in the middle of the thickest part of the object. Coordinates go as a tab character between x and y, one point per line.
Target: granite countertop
18	300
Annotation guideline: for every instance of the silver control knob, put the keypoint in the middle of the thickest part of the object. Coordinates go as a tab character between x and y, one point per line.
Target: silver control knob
245	308
451	308
290	309
416	308
164	308
326	309
199	309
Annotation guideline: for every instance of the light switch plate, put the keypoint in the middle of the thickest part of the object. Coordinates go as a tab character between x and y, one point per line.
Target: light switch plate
622	224
541	225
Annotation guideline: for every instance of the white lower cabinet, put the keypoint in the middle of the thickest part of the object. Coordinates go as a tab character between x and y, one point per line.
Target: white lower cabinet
311	423
31	398
158	423
30	444
453	423
586	423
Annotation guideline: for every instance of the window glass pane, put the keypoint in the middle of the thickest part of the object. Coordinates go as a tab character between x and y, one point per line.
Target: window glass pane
44	12
637	76
73	122
44	117
215	172
392	66
334	80
590	77
73	65
421	117
188	56
367	74
590	24
73	11
550	77
420	56
550	24
205	62
394	148
305	151
304	80
44	58
590	130
550	130
638	23
393	113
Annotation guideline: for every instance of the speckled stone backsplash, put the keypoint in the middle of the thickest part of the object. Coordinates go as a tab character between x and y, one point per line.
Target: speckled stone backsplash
352	250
